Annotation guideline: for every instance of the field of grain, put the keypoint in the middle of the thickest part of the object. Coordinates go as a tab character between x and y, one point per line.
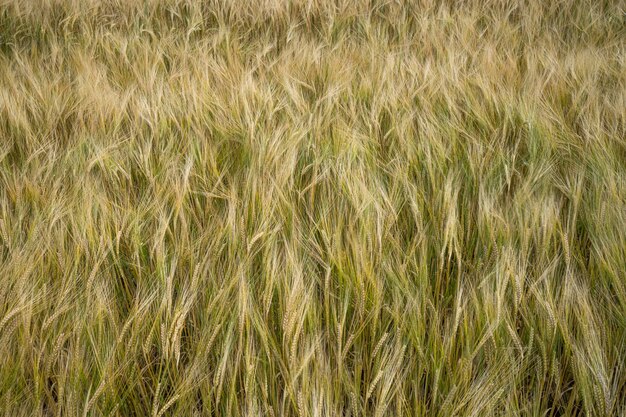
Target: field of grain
312	208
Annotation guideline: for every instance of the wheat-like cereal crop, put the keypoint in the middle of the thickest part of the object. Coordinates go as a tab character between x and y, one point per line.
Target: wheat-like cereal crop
312	208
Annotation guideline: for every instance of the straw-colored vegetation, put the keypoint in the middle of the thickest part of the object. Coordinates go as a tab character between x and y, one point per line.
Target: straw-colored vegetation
312	208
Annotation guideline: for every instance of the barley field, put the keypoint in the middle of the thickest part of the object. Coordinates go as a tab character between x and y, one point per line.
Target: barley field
312	208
